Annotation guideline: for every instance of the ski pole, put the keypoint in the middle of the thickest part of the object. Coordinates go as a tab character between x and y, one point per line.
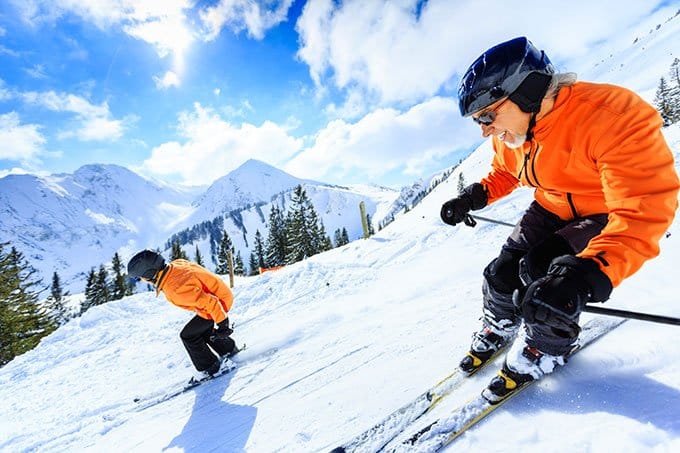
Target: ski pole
470	220
632	315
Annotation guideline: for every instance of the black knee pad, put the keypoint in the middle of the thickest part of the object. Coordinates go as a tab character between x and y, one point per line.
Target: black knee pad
502	274
535	263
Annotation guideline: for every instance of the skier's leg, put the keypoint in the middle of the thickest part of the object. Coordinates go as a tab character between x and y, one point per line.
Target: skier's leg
571	239
502	275
501	279
193	336
223	345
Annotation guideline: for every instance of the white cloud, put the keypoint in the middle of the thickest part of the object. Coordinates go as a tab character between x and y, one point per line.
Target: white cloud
36	72
170	79
213	147
162	24
5	94
95	120
385	140
20	142
405	55
256	17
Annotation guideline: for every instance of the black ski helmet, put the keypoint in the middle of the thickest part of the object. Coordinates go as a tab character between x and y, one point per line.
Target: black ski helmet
514	69
145	264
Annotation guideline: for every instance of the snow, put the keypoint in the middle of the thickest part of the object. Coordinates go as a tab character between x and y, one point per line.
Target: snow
359	331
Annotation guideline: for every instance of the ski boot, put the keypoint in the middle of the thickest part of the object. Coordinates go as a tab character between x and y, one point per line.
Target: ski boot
486	344
522	364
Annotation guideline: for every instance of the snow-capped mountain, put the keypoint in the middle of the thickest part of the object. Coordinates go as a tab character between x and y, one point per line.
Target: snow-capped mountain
253	182
70	223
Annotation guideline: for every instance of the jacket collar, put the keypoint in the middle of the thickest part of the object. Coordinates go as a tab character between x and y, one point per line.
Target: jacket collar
161	276
545	124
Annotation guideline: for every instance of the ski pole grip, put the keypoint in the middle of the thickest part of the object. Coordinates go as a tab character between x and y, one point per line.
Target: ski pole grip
469	221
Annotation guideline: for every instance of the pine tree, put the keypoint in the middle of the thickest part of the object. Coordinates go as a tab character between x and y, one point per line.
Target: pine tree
663	102
90	293
461	183
224	249
198	259
674	88
275	251
253	265
259	253
371	230
298	236
305	232
119	287
55	301
23	322
345	236
337	238
238	264
102	291
176	252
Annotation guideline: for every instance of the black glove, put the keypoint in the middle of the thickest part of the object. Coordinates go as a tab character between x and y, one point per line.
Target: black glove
472	197
222	329
558	298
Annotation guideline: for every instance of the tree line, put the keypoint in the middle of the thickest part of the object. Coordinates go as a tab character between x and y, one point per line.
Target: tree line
667	99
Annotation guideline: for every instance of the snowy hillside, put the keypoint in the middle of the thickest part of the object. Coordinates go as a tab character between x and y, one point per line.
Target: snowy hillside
70	223
357	332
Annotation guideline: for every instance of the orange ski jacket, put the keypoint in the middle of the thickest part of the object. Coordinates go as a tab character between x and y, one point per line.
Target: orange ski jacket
192	287
598	151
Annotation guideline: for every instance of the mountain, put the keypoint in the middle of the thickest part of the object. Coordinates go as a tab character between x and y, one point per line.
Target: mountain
70	223
340	340
253	182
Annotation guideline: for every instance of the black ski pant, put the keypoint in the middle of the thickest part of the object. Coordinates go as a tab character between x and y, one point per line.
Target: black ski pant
538	238
203	346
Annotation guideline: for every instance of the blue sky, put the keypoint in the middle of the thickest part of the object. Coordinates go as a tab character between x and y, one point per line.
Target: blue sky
340	91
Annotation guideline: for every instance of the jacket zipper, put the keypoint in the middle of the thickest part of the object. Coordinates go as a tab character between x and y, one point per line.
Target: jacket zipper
525	168
574	212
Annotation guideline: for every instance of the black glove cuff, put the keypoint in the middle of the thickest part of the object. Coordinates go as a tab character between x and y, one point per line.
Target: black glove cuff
477	196
600	285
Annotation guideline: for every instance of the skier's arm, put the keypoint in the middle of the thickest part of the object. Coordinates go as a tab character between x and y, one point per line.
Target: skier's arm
500	181
640	186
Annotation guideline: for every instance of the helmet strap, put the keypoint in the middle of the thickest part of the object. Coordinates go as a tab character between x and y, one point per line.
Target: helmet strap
530	128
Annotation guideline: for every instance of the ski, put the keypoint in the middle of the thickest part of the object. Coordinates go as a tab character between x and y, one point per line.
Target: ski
443	431
229	365
380	434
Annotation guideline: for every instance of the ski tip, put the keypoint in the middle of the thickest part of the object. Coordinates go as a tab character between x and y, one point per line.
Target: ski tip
338	450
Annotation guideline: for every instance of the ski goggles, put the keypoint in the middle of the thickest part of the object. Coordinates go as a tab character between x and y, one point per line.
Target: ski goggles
488	117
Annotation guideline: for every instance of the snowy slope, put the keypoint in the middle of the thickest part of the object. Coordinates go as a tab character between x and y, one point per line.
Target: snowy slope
359	330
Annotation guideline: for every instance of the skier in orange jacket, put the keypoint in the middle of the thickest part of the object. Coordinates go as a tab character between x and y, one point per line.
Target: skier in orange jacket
187	285
605	191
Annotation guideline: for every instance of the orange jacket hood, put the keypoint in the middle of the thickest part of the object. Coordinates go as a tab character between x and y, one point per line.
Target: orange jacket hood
598	151
192	287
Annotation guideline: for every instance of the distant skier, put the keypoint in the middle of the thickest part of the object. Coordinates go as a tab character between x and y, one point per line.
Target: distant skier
192	287
606	190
